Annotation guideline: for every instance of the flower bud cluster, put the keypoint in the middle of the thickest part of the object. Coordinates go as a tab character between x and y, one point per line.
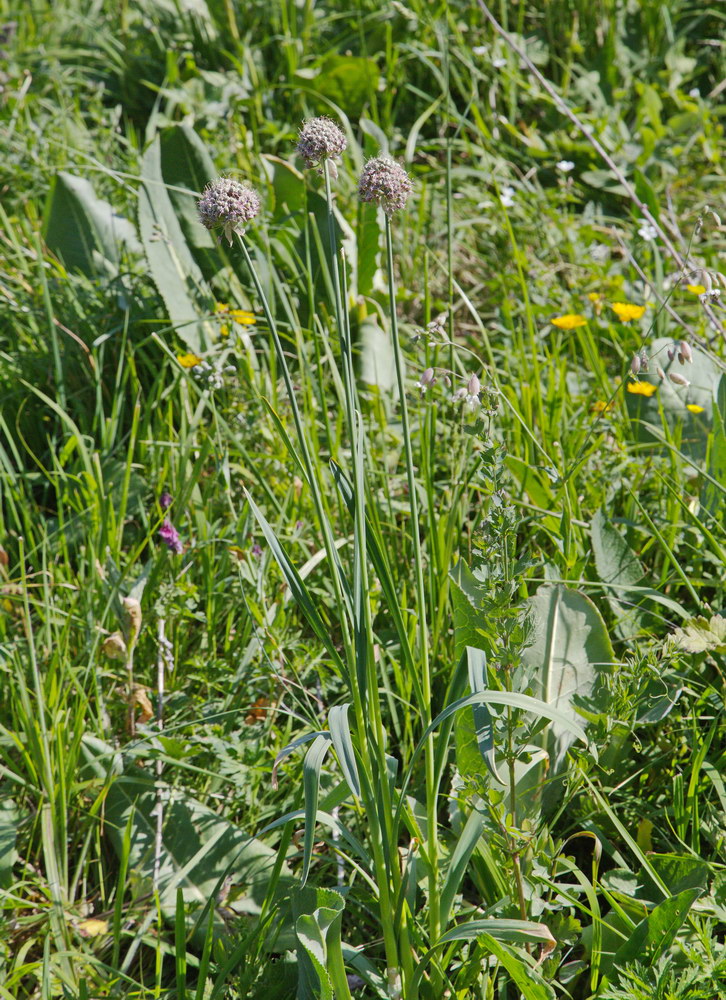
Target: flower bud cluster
228	205
320	139
386	183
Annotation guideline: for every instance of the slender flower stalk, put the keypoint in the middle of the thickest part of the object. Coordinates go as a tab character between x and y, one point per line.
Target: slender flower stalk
425	707
387	868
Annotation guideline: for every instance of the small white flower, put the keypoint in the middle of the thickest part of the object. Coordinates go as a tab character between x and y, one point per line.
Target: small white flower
498	63
479	50
565	166
694	92
648	231
507	196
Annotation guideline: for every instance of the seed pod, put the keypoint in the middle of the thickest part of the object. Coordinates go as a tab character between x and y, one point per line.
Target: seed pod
635	364
686	352
133	618
474	386
114	646
660	373
644	359
678	379
671	352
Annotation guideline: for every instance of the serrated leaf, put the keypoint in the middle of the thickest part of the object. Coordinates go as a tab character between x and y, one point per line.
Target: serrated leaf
654	935
701	635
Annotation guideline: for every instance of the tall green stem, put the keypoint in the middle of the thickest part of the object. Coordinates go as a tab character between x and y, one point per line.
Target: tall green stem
425	707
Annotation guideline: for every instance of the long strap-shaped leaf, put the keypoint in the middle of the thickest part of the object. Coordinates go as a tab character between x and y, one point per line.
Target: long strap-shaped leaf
311	782
296	585
340	734
512	698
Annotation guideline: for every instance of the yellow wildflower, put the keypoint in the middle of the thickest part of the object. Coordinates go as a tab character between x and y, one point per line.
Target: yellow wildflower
570	321
694	407
625	311
600	406
696	289
242	317
642	388
188	360
224	330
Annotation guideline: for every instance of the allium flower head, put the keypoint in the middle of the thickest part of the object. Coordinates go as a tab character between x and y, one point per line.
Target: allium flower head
320	139
228	205
386	183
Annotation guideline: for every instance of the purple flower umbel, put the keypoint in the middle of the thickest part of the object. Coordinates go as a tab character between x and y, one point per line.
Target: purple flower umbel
170	536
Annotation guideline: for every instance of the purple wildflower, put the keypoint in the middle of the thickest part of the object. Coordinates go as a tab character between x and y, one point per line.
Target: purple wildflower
257	549
170	536
165	500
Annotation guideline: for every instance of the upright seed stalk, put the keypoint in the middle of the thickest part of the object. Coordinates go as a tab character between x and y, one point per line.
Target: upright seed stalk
433	847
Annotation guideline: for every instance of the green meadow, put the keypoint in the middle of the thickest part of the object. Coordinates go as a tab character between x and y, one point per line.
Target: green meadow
362	500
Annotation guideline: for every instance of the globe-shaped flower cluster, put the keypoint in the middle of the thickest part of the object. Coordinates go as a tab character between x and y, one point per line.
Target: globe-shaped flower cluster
228	205
386	183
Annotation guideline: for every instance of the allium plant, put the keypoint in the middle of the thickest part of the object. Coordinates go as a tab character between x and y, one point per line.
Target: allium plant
386	183
228	205
321	141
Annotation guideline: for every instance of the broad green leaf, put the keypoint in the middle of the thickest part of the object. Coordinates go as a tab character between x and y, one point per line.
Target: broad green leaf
459	861
511	931
375	356
176	274
526	978
83	230
9	818
199	848
713	493
618	568
703	374
321	969
347	81
566	661
311	781
340	735
368	238
187	168
288	188
701	635
655	934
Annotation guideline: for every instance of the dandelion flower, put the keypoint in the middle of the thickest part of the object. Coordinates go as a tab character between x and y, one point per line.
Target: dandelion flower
600	406
696	289
694	408
228	205
642	388
570	321
386	183
625	311
188	360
